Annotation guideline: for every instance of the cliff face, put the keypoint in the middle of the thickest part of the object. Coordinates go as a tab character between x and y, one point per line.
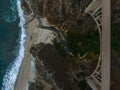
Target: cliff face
54	64
69	17
63	13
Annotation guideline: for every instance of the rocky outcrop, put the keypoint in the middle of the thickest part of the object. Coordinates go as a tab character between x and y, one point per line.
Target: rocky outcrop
63	13
58	71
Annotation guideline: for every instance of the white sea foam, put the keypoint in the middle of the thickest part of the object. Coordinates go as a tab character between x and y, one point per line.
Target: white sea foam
13	70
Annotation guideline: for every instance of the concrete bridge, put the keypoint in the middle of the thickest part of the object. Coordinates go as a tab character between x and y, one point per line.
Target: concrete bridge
99	10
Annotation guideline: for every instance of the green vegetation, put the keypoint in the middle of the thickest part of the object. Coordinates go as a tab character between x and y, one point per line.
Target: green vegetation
115	37
115	55
82	44
83	85
59	47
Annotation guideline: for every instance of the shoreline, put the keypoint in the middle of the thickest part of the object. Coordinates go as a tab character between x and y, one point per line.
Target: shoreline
25	69
35	35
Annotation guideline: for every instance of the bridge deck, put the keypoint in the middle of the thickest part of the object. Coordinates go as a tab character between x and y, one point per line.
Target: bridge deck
106	45
103	24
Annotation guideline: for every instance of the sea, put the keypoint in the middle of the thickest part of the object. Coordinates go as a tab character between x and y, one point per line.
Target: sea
12	40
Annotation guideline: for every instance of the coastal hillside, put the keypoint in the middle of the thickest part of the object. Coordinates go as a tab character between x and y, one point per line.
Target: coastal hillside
66	60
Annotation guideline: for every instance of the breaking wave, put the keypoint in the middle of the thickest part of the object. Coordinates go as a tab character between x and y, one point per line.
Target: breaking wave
13	70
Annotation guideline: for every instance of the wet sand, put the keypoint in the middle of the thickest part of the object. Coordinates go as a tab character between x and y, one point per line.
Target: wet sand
24	73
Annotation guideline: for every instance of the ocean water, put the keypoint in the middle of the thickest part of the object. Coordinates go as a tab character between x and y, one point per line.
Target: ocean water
12	40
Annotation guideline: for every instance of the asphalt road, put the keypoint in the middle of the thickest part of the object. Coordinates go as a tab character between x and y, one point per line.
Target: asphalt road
106	45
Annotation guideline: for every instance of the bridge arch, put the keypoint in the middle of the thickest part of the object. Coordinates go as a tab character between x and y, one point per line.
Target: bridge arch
94	80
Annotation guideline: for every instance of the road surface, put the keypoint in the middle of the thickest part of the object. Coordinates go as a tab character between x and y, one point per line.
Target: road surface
106	45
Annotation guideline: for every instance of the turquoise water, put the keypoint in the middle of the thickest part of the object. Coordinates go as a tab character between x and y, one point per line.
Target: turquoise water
9	35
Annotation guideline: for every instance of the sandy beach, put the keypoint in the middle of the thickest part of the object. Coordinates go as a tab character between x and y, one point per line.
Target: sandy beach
35	35
25	70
